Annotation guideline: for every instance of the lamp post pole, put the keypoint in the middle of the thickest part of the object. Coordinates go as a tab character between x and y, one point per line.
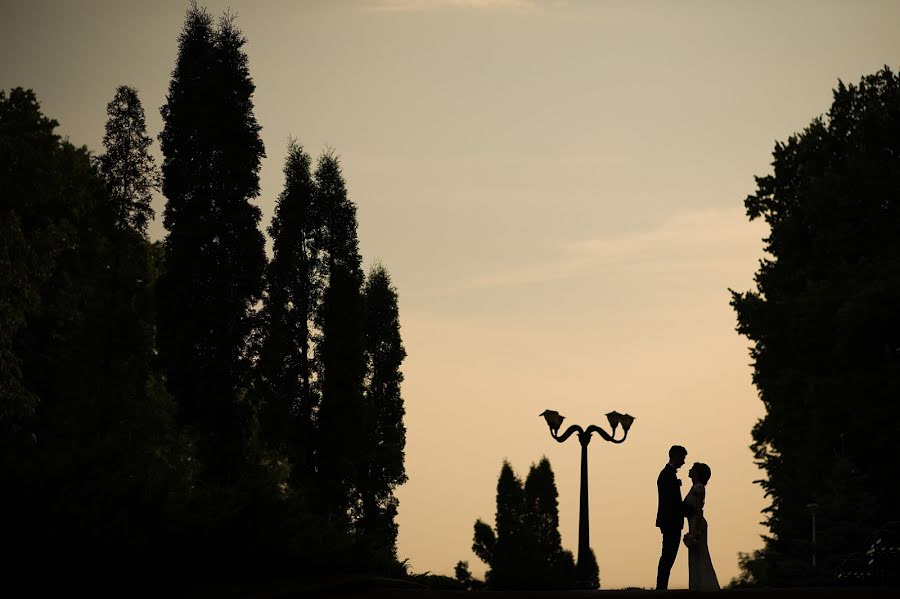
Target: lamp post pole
812	507
584	523
554	421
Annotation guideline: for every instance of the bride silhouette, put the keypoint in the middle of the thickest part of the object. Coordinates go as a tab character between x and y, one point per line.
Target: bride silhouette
701	574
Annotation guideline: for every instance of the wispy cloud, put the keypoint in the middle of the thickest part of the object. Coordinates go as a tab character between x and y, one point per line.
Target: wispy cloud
432	5
698	241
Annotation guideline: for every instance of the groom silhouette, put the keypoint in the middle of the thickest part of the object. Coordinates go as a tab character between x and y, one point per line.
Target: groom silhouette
670	514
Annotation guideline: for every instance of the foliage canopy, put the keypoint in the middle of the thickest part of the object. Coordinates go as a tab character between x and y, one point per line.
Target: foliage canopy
826	332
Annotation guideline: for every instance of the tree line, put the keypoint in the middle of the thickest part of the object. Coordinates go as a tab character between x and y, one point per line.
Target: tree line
189	407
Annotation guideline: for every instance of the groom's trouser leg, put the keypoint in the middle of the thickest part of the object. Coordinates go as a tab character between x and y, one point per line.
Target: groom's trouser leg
671	538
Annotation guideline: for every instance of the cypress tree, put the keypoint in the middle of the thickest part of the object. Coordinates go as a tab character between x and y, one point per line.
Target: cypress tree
551	566
294	284
340	350
509	552
130	174
385	435
214	256
505	547
127	167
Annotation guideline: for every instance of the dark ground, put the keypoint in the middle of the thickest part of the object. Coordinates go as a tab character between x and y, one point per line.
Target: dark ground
383	588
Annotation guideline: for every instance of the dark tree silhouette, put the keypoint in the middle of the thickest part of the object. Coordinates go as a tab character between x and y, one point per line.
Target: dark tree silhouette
130	175
587	571
826	332
552	567
100	462
340	351
127	167
85	455
329	365
503	550
385	435
484	542
464	577
525	551
214	256
294	285
34	227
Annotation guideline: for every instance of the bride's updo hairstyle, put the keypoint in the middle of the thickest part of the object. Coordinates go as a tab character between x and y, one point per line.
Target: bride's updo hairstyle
703	472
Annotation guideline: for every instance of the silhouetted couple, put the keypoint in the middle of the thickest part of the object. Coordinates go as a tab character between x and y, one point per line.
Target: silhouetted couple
670	520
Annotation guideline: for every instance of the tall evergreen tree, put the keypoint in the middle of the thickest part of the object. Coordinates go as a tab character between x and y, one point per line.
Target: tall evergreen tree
510	549
552	566
543	509
127	167
340	349
826	332
329	366
385	435
214	257
130	174
294	283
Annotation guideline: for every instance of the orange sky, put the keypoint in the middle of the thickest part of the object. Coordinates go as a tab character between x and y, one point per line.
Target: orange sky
556	189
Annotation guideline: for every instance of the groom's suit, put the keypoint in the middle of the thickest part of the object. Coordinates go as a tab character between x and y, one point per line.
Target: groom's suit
670	520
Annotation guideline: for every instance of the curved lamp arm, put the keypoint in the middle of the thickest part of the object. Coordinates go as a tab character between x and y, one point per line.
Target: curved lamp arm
606	436
572	429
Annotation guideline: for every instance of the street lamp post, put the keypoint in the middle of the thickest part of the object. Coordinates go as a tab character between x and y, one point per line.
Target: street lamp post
813	507
554	422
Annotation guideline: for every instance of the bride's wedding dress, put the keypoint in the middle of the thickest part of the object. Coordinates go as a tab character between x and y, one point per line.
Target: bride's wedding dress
701	575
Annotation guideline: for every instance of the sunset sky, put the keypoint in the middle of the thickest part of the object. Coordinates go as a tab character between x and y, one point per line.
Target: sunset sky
556	189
